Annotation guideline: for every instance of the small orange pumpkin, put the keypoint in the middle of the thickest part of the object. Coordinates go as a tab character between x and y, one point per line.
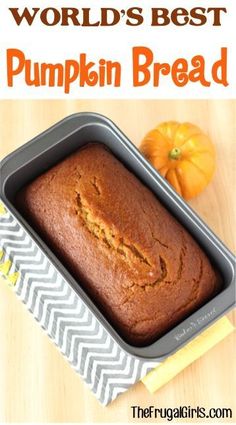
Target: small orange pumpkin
183	154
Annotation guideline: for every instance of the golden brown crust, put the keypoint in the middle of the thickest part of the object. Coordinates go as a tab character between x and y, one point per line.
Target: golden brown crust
135	260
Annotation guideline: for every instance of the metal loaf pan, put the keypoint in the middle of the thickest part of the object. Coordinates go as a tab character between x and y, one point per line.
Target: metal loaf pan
68	135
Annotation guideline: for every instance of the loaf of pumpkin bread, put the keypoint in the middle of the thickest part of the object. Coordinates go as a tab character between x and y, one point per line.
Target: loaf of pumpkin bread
138	264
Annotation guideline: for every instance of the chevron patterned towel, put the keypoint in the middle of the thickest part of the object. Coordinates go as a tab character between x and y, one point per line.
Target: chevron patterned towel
89	348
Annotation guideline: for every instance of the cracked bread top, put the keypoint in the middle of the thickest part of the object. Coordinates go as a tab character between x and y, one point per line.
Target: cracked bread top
139	265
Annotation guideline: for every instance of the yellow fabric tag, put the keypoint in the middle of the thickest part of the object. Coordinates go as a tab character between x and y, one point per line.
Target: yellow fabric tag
13	278
174	364
2	209
5	267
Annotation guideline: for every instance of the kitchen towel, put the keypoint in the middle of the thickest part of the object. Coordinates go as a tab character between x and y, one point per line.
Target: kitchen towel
106	368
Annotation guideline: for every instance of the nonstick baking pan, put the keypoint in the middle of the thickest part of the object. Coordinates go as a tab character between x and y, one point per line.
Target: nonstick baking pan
75	131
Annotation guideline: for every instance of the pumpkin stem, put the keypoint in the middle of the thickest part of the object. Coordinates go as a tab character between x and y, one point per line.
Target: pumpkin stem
175	153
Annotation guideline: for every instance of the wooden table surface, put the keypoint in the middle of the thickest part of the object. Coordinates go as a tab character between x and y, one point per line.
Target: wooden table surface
36	383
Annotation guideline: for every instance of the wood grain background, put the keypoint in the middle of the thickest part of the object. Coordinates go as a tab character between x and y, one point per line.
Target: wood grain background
36	383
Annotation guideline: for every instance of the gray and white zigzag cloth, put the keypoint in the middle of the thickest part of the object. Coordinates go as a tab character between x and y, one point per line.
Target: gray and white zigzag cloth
106	368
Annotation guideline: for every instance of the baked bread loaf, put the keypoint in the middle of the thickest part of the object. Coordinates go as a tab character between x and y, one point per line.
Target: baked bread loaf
138	264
